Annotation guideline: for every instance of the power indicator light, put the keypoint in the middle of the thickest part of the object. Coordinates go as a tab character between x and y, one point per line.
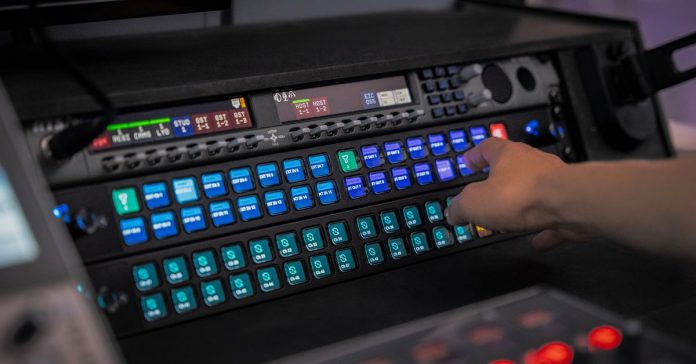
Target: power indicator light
604	337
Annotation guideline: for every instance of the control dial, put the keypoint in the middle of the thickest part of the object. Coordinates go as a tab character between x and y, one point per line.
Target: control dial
477	99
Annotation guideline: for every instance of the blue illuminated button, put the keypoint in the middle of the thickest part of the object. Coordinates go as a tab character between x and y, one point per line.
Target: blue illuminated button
248	207
241	286
390	223
312	238
412	216
442	236
287	244
419	242
397	248
301	197
401	178
378	182
338	232
233	257
153	307
268	279
183	300
182	126
267	174
345	260
416	148
437	144
433	210
355	186
319	165
175	270
133	231
185	190
373	252
394	151
294	272
320	266
424	174
464	169
212	293
145	276
156	195
294	170
445	170
221	213
463	233
213	185
204	263
275	202
260	250
326	191
163	225
192	219
458	140
371	156
241	181
478	134
366	227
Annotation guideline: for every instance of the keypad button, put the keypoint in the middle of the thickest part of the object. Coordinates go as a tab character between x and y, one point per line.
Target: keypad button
312	238
241	180
433	99
446	97
440	71
397	248
145	276
437	144
212	293
183	300
463	168
482	232
426	73
241	287
156	195
462	108
153	307
373	252
275	202
233	257
338	232
294	170
192	219
416	148
452	70
221	213
458	95
267	173
442	85
401	178
429	87
175	270
450	110
412	217
320	266
248	207
442	236
185	190
133	231
355	187
213	185
163	225
390	224
287	244
448	201
319	165
260	250
478	134
301	197
437	112
463	233
327	193
372	158
458	140
268	279
419	242
204	263
294	272
125	201
394	151
366	227
348	160
378	182
433	209
498	130
455	83
423	172
445	170
345	260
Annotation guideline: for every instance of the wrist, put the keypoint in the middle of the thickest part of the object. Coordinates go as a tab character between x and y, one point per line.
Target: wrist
552	194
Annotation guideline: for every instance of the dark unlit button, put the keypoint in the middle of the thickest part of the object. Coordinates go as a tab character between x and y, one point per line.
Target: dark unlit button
298	134
194	150
399	117
154	157
133	160
215	147
234	143
332	128
366	123
383	120
351	125
316	131
174	153
414	115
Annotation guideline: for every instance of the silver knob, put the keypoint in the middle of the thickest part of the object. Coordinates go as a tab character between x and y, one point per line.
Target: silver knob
478	98
471	71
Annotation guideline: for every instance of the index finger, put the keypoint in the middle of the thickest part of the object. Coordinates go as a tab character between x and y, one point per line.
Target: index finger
485	154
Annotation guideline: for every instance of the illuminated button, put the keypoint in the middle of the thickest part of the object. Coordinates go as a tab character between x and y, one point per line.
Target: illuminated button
294	272
267	174
320	266
338	232
153	307
345	260
412	217
125	201
241	287
394	151
448	201
371	156
260	250
301	197
275	202
175	270
433	210
183	300
463	233
379	182
204	263
482	232
313	239
347	160
241	181
294	170
221	213
145	276
232	257
605	337
390	223
445	170
287	244
182	126
326	192
213	185
397	248
463	168
133	231
498	130
437	144
401	178
355	186
416	148
373	252
366	227
478	134
319	165
212	293
419	242
192	219
268	279
163	225
185	190
442	236
156	195
248	207
424	174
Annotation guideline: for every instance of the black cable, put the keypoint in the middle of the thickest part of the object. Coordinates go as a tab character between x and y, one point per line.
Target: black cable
69	141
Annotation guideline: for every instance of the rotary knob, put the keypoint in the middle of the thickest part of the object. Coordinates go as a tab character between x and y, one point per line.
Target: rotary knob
477	99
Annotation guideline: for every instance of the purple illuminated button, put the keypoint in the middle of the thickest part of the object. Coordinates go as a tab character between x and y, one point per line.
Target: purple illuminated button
423	173
445	170
401	178
464	170
378	182
372	158
478	134
394	152
416	147
458	140
355	186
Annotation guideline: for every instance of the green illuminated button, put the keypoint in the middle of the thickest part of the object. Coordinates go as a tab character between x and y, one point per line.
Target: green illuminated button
419	242
338	232
373	251
260	250
312	238
397	248
232	257
268	279
366	227
347	160
153	307
433	210
241	286
125	201
204	263
294	272
145	276
320	266
175	270
183	300
449	201
287	244
412	216
463	233
212	293
442	236
390	224
345	260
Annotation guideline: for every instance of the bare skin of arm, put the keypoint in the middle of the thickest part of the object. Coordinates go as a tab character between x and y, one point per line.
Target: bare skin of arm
646	204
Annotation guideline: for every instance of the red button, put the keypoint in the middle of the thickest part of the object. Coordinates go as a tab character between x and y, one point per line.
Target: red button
498	130
604	337
552	353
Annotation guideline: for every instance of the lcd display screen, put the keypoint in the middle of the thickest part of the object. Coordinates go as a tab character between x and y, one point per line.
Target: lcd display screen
17	242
